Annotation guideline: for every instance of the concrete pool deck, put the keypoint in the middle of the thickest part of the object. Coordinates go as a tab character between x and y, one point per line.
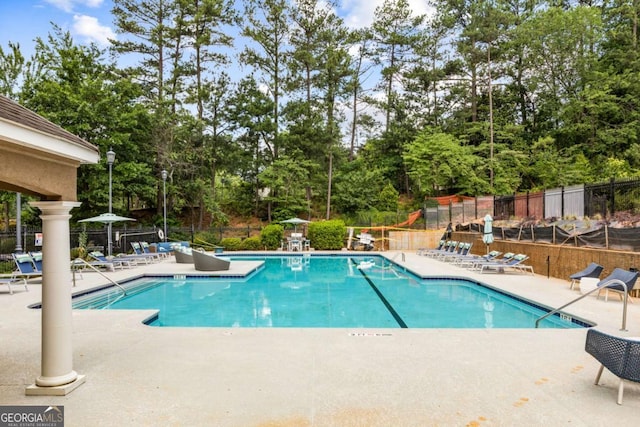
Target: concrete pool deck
145	376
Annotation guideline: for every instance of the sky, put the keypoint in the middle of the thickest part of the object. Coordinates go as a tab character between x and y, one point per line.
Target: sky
91	20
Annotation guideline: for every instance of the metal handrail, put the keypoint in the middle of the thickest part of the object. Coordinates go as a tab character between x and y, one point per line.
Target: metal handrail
83	261
396	256
597	288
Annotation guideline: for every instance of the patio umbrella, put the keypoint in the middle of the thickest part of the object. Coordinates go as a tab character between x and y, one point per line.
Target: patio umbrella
295	221
107	218
487	237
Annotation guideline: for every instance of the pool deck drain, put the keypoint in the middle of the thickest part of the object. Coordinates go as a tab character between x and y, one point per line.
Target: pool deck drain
138	375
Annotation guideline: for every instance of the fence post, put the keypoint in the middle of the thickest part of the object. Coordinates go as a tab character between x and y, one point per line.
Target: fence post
475	207
562	201
424	214
612	194
18	222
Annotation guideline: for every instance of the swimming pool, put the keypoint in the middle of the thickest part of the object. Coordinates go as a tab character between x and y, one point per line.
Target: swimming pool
324	291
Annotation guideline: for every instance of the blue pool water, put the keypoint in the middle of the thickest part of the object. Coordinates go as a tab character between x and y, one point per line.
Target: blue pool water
323	291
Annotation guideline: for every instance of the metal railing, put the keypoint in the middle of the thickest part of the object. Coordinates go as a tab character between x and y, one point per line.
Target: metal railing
597	288
80	261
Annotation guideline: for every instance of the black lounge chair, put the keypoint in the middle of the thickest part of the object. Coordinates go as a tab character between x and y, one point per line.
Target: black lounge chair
619	355
629	278
209	262
593	270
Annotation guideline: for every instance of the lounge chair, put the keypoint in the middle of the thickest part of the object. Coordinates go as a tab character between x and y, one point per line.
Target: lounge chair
13	281
506	257
26	268
423	251
621	356
146	249
139	252
183	255
204	261
472	259
37	259
629	278
515	264
449	248
99	260
463	251
593	270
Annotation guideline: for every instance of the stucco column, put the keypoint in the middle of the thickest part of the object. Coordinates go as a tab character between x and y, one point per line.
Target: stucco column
57	374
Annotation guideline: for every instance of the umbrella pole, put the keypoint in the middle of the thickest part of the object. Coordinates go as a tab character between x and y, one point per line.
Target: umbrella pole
109	239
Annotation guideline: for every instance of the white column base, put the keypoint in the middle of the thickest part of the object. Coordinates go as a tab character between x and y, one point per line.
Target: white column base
60	390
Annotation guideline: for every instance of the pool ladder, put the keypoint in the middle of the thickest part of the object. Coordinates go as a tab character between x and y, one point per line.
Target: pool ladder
84	262
599	288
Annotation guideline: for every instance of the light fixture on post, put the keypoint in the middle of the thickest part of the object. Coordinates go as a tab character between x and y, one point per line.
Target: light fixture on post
111	157
164	175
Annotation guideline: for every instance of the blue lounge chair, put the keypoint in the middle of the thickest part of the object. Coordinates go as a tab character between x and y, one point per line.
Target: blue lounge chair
470	260
463	251
37	259
629	278
593	270
506	257
139	252
449	248
146	249
99	260
424	251
26	268
619	355
515	264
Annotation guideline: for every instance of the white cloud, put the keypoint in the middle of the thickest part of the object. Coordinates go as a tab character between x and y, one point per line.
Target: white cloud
68	5
360	13
89	28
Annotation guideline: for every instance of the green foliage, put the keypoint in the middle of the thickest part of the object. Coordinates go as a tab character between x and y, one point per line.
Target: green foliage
287	180
271	236
438	161
327	235
564	107
231	243
7	267
253	243
388	198
357	187
78	253
82	244
207	239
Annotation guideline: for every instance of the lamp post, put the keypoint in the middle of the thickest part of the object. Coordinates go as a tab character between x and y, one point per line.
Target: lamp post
164	174
111	157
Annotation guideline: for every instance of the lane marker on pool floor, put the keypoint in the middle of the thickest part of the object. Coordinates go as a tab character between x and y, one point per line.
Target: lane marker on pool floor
386	303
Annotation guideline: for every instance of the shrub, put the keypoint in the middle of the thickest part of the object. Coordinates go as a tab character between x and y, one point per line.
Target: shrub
78	252
327	235
231	243
271	236
206	239
251	244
